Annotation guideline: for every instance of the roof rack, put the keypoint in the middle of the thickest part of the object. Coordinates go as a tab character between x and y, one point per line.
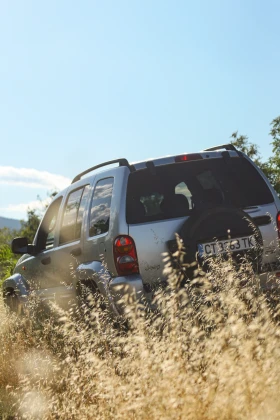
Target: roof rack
122	162
222	146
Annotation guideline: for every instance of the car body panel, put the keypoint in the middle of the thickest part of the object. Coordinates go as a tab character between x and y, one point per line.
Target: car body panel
100	247
57	279
269	232
151	244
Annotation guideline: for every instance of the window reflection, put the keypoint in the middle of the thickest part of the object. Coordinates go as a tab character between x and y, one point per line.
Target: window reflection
73	215
100	207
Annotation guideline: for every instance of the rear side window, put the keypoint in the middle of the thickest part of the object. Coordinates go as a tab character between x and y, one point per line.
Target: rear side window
100	207
73	215
179	189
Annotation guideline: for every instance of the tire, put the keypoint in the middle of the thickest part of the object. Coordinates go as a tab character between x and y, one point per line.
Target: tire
89	295
218	224
12	302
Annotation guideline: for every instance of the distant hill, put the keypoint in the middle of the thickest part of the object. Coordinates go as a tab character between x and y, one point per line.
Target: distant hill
9	223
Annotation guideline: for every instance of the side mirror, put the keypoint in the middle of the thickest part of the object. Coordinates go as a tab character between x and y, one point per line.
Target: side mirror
20	246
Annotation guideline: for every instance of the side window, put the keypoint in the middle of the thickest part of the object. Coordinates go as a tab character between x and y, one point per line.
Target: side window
73	215
81	211
100	207
45	239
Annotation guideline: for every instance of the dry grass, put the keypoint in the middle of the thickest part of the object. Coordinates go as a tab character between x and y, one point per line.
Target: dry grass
210	351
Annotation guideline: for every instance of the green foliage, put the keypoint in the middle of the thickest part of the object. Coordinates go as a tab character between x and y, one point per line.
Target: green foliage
7	261
271	167
6	235
7	258
241	143
30	226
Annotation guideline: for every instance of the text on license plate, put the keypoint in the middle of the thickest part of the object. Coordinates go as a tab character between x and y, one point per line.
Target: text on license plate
227	245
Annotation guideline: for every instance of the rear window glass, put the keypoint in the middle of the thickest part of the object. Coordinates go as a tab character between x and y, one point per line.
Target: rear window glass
179	189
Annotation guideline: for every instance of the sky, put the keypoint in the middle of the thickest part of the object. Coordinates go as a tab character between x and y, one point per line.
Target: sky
89	81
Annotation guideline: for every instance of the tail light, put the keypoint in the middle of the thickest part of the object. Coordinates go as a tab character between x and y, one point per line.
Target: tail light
278	223
125	255
188	157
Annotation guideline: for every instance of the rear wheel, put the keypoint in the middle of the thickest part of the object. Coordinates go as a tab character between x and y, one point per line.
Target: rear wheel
89	295
12	302
92	302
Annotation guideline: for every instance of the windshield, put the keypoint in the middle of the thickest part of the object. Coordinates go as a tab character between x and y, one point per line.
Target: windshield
179	189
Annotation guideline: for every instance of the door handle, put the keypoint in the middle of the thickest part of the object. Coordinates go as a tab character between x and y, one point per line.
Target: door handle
76	252
46	260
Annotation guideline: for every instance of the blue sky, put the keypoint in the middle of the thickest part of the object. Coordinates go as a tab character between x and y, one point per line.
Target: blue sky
84	82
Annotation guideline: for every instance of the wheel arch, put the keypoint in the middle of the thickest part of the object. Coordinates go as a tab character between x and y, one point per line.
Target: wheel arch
17	284
96	272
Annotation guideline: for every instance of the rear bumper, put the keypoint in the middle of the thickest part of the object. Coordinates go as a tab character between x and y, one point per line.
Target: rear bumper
130	289
125	290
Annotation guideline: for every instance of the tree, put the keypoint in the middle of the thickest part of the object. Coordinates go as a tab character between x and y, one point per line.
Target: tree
30	226
6	235
7	258
7	261
241	143
271	167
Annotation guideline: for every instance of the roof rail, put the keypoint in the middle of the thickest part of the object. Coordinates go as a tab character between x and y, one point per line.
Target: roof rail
222	146
122	162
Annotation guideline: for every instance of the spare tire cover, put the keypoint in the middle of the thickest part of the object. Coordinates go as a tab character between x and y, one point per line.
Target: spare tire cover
221	223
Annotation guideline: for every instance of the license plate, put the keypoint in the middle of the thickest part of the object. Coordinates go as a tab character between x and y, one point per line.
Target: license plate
228	245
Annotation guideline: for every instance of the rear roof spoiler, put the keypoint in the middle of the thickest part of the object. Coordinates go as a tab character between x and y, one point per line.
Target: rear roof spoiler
222	146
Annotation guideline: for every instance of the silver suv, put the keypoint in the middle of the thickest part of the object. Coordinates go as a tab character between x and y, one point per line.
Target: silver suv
110	229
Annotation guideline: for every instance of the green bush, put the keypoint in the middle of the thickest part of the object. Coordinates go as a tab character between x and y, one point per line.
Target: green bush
7	261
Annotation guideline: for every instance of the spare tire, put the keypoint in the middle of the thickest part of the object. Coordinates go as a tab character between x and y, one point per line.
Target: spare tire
221	224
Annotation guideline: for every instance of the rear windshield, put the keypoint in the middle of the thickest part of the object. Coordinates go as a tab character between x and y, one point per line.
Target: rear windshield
177	190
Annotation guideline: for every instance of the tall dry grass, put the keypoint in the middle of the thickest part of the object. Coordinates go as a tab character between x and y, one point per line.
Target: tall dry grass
210	350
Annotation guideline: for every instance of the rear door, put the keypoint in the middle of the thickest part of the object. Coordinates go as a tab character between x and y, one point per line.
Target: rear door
69	252
248	190
159	201
151	239
157	207
99	234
